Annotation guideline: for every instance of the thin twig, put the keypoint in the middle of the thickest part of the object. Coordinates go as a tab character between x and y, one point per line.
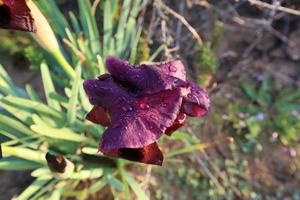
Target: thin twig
274	7
184	21
75	50
94	6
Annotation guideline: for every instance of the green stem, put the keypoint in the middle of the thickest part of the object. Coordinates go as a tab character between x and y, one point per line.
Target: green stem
120	164
64	64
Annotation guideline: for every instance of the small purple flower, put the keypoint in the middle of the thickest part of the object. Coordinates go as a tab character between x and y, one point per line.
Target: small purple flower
139	104
260	117
15	14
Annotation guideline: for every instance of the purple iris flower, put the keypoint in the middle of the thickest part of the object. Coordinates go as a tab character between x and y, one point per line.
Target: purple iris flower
15	14
140	103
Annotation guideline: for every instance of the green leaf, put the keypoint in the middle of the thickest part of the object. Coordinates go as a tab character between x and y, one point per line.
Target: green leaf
114	182
24	153
20	113
156	53
48	87
40	172
71	114
34	105
134	44
90	150
97	186
188	149
62	133
31	93
84	100
15	124
141	195
107	29
87	174
185	137
9	163
89	24
249	90
122	26
34	187
56	194
75	24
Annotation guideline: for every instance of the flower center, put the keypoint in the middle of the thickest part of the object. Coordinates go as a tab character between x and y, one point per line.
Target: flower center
5	15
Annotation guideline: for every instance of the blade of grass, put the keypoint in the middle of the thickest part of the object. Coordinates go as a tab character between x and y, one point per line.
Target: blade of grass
15	124
107	29
48	86
122	26
31	93
24	153
135	186
34	187
17	164
22	114
34	105
62	133
71	113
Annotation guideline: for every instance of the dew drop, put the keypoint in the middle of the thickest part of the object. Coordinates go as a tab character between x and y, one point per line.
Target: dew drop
198	91
153	117
127	108
106	89
172	68
137	76
190	95
164	104
144	105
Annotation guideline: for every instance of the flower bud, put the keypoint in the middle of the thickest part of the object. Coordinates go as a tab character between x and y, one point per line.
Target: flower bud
44	34
59	166
46	38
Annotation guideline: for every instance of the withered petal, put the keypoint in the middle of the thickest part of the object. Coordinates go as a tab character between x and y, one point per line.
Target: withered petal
99	116
15	14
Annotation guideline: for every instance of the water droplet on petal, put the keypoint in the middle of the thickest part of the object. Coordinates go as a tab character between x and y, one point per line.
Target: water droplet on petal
190	95
172	68
164	104
198	91
153	117
175	81
106	89
144	105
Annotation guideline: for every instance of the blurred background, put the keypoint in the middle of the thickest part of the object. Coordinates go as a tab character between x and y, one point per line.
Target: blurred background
247	55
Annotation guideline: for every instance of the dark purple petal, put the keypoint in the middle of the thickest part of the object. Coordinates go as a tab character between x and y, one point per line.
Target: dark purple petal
149	154
99	116
144	79
15	14
196	102
173	68
142	122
